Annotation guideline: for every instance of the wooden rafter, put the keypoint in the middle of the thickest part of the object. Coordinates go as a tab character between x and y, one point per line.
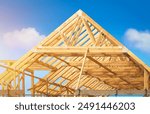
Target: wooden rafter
100	64
46	65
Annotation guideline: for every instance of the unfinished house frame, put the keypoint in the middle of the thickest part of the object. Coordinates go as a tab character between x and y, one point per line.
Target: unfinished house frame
83	59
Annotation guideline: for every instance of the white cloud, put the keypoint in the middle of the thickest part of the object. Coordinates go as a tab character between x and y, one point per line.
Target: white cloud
16	43
24	38
138	39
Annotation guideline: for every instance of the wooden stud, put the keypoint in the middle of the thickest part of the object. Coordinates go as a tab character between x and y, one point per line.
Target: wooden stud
32	83
146	80
23	83
47	87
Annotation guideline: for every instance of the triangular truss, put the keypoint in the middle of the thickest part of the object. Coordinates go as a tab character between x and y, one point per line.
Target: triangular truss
79	55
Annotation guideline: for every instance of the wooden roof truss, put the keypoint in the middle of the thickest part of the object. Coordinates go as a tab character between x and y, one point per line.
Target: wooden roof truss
79	55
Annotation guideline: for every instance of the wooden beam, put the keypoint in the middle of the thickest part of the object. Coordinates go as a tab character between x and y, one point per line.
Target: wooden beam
79	51
47	86
77	35
66	62
15	83
14	70
75	26
46	65
32	84
99	39
106	63
19	81
63	36
146	80
101	65
80	75
23	83
110	92
49	83
88	30
9	93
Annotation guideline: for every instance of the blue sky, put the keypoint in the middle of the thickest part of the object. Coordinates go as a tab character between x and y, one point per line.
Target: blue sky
126	20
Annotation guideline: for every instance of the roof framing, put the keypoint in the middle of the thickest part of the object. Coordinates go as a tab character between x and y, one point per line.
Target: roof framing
79	54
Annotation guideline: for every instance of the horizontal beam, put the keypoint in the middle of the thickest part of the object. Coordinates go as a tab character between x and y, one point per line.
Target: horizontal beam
111	92
11	92
55	84
79	51
109	63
